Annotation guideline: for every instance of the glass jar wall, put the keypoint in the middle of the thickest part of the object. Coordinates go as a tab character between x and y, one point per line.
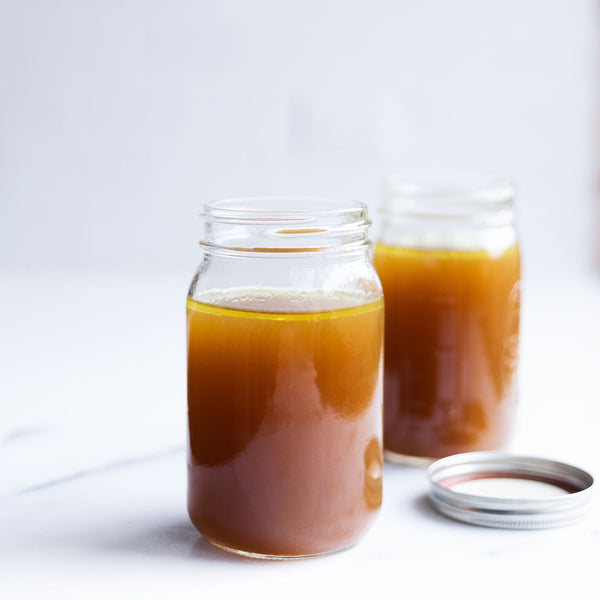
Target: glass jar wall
448	259
285	334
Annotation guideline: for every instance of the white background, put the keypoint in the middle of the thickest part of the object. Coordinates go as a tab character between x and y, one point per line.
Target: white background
119	119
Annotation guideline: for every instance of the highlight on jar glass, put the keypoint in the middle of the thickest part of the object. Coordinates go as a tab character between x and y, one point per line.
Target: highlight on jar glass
285	360
448	258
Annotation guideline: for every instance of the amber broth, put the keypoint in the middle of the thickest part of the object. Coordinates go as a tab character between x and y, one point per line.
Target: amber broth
285	414
451	341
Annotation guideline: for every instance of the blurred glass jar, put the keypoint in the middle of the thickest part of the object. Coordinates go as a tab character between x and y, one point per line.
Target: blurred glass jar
285	358
448	259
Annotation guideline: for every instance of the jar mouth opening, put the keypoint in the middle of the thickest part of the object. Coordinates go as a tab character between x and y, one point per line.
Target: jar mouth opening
283	209
447	196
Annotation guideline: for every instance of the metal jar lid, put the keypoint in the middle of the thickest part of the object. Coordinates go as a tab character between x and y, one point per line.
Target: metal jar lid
498	489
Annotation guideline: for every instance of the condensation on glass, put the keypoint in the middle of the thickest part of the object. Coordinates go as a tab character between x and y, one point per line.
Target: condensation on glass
285	359
448	259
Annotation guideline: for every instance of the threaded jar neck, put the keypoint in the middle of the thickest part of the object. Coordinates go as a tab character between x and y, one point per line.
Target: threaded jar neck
284	225
466	198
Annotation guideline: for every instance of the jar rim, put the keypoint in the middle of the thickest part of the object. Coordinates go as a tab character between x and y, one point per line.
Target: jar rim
274	208
454	186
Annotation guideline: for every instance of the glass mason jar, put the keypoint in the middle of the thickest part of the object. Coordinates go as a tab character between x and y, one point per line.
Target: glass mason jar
285	360
448	258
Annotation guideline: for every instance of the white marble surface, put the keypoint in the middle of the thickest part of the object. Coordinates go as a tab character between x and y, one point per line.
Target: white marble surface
92	462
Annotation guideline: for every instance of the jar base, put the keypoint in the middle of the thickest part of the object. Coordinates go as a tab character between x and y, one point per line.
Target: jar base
407	459
259	556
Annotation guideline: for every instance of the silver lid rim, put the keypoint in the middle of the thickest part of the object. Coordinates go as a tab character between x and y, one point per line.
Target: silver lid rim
510	513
